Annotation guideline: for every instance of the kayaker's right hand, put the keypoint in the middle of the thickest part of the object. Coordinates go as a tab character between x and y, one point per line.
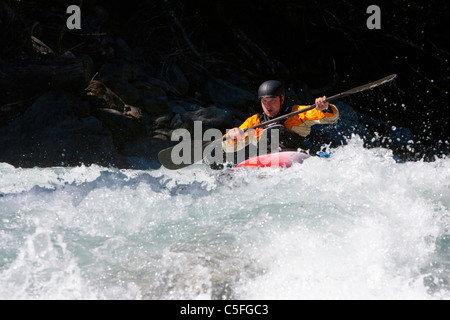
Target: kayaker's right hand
235	133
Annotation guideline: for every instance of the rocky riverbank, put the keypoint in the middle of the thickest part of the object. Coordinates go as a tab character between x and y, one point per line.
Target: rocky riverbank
104	95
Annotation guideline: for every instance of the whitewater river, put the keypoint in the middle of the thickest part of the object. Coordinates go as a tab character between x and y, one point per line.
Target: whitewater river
358	225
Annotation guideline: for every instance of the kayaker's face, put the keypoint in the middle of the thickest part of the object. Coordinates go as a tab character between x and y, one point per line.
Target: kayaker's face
272	106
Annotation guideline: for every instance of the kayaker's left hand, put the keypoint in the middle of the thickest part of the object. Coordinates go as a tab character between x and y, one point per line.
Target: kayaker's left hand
321	105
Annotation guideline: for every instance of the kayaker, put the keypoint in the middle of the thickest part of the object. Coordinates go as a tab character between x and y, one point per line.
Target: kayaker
294	131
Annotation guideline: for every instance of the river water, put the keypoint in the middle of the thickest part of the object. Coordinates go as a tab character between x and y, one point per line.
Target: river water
357	225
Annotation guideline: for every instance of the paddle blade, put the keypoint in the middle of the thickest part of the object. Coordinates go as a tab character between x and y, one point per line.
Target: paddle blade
182	155
371	85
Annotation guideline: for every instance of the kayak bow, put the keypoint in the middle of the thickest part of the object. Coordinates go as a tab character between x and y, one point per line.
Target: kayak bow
283	159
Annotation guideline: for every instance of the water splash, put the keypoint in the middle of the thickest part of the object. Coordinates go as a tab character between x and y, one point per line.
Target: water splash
355	225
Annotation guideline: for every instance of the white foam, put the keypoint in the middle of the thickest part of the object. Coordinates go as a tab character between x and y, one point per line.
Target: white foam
355	225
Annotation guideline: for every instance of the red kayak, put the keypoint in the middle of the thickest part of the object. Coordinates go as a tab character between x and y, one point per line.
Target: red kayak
283	159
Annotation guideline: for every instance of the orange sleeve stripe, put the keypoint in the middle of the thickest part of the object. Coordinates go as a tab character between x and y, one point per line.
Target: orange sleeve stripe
310	115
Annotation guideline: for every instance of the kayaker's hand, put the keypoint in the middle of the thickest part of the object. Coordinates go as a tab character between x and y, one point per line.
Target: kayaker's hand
252	133
235	133
321	105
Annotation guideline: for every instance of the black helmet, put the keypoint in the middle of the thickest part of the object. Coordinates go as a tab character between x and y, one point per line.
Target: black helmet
271	89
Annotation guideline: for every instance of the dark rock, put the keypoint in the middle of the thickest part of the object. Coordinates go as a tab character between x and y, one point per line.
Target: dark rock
103	97
177	79
142	153
41	48
223	93
30	78
191	106
123	128
14	33
155	106
50	134
176	121
178	109
163	134
119	69
153	99
126	91
163	121
133	112
10	111
211	117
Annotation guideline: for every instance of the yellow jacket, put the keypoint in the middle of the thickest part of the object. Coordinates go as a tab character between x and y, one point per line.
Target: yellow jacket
300	123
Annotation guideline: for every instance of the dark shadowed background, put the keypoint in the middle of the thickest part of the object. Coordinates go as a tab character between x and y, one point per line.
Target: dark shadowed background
136	70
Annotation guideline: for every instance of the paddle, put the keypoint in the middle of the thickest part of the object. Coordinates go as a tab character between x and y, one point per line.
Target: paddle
165	156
